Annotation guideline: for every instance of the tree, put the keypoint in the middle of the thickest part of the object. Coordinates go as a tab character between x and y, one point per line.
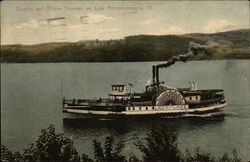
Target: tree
7	155
53	146
111	152
200	156
160	146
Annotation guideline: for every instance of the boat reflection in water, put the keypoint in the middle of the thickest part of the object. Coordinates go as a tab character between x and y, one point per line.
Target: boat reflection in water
127	125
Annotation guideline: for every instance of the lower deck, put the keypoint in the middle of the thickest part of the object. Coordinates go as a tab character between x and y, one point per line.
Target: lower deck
143	110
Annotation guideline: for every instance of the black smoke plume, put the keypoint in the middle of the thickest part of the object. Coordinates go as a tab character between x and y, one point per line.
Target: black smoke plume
193	50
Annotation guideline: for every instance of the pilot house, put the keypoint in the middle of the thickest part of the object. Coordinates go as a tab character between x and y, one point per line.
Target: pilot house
119	92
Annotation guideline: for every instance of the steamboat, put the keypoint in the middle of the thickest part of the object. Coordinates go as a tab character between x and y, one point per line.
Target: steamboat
157	100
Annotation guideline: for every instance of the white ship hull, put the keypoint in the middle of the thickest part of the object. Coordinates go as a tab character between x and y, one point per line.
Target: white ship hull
170	110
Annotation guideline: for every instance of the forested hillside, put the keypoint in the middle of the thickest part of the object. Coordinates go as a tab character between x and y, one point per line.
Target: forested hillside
232	45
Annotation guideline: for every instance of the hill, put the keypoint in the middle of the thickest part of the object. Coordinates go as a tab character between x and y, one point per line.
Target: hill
232	45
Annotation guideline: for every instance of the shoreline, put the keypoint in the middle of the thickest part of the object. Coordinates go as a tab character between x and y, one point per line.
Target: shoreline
118	61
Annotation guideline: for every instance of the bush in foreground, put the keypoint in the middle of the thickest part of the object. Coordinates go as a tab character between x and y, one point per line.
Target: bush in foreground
50	146
158	145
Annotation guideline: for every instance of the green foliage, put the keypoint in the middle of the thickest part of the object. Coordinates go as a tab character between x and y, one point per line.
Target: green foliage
86	158
226	158
53	146
160	146
111	152
49	146
133	158
199	156
132	48
7	155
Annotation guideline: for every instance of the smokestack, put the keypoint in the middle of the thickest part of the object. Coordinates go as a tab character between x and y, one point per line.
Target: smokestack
157	75
153	74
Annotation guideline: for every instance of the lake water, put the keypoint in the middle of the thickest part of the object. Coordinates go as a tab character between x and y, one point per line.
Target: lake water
31	99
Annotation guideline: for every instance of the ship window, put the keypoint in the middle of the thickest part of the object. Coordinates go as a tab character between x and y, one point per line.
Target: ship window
196	97
129	108
190	98
133	108
146	108
153	108
139	108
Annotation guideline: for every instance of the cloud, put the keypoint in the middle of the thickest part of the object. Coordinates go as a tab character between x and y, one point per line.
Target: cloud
171	30
109	31
147	22
75	26
93	18
82	22
218	25
74	22
32	24
98	18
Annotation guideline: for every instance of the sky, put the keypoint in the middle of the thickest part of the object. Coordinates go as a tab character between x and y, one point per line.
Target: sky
33	22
